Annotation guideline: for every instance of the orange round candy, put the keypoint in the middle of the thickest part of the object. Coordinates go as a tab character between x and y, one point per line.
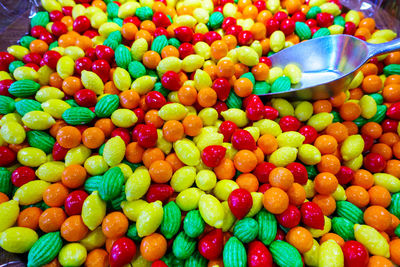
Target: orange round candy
245	160
73	229
93	137
153	247
219	49
115	224
282	178
377	217
275	200
300	238
160	171
325	183
55	195
243	87
69	137
192	125
29	218
357	195
173	131
51	219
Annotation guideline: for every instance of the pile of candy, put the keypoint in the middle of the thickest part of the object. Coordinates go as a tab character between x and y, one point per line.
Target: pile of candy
133	133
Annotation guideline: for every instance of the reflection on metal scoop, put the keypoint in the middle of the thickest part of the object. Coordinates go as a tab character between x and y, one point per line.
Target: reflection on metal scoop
328	64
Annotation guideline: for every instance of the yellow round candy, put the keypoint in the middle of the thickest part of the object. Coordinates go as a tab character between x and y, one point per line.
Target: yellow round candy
72	254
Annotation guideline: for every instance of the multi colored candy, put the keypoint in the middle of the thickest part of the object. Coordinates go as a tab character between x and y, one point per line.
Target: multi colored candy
133	133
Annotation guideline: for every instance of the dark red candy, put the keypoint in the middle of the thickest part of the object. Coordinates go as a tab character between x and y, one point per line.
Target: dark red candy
139	112
147	136
349	28
22	175
160	192
394	111
311	23
155	100
289	123
81	24
272	26
280	16
185	49
368	142
287	26
50	58
210	246
255	111
227	128
355	254
240	202
85	98
102	68
325	19
34	58
312	216
234	30
254	99
171	81
161	20
258	255
122	252
299	172
211	36
4	86
219	107
159	263
266	60
56	15
245	38
270	113
58	28
260	5
197	37
7	156
212	155
345	175
184	34
222	87
290	217
104	52
242	139
74	202
82	63
263	170
374	162
36	31
228	21
389	125
310	134
280	235
59	152
123	133
161	31
299	16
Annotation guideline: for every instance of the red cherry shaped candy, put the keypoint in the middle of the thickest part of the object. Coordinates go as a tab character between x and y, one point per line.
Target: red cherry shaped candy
312	216
240	202
355	254
210	246
122	252
242	139
212	155
258	255
290	217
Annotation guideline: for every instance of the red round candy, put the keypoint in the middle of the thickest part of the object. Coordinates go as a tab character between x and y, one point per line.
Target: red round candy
85	98
185	49
389	125
56	15
123	133
290	217
299	17
82	63
345	175
161	20
260	5
280	16
266	60
122	252
161	31
242	139
159	263
155	100
325	19
219	107
310	133
264	188
258	255
311	23
104	52
374	162
197	37
171	81
147	136
59	152
227	128
37	30
139	112
355	254
184	34
7	156
368	142
240	202
74	202
234	30
210	246
263	170
228	21
350	28
51	58
102	68
58	28
161	192
34	58
287	26
270	113
312	216
47	37
4	85
272	26
280	235
81	24
222	87
211	36
245	38
299	172
212	155
289	123
5	60
22	175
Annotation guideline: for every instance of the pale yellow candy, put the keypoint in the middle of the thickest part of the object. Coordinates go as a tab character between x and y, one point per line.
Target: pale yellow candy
388	181
11	117
138	48
267	126
98	19
38	120
283	106
138	184
230	150
98	40
139	261
291	139
352	147
309	188
93	210
304	111
67	3
209	116
229	10
9	212
229	218
144	84
257	204
293	72
55	107
277	41
311	256
122	79
65	67
202	79
283	156
274	73
254	131
211	210
127	9
12	132
31	156
330	8
126	170
95	165
5	76
330	254
374	242
25	73
355	163
78	10
173	97
245	23
202	49
148	3
209	139
50	171
94	239
357	80
31	192
92	81
74	52
386	34
327	228
339	193
336	29
124	118
51	5
163	144
189	198
47	93
114	151
368	106
183	178
316	2
352	16
201	15
273	5
206	180
150	219
320	121
235	115
77	155
309	154
232	56
256	45
132	209
248	56
224	188
18	51
18	239
169	64
173	111
192	63
72	254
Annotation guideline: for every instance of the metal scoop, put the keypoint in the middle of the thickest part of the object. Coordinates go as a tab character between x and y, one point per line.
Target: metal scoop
328	64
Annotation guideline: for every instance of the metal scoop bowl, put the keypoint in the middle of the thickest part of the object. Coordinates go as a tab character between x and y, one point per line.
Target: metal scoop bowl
328	64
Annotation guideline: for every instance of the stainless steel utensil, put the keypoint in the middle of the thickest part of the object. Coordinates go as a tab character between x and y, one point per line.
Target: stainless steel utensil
328	63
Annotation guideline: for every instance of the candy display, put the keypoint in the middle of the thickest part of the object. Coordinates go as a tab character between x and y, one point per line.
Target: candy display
133	133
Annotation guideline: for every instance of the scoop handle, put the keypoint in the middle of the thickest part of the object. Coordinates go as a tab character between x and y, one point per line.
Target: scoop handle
377	49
